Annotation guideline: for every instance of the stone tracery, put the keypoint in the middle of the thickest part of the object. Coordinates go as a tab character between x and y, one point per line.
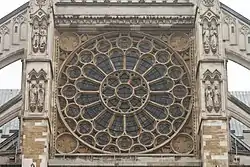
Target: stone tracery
124	93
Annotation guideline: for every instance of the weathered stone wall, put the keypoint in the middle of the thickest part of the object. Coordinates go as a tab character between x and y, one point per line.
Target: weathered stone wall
35	142
212	89
214	143
37	79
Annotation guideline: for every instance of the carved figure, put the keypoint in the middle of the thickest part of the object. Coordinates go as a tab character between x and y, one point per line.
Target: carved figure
37	90
210	32
209	98
213	36
33	96
212	91
39	34
41	96
217	98
35	36
206	37
43	36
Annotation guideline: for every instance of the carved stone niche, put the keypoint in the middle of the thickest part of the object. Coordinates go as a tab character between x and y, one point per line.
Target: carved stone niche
209	23
212	85
39	26
37	86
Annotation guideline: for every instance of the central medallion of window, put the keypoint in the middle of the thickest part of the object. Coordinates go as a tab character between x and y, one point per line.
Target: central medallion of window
124	93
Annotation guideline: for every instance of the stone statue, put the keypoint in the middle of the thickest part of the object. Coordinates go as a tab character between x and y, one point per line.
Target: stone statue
209	98
213	36
41	96
33	96
217	98
206	37
39	34
35	36
37	88
43	36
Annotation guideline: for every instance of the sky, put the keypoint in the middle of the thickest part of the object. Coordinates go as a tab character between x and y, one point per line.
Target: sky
12	73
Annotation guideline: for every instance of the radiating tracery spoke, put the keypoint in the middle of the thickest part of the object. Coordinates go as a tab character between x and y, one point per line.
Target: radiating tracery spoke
123	93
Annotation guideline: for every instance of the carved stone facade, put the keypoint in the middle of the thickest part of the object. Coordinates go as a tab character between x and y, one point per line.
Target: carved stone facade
75	48
122	83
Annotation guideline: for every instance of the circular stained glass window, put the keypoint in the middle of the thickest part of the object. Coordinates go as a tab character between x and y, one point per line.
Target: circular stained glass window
124	92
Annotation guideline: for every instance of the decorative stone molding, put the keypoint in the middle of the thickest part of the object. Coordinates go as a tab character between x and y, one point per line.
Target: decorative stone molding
244	29
4	29
144	2
19	19
128	20
37	81
212	84
208	3
229	20
210	32
41	3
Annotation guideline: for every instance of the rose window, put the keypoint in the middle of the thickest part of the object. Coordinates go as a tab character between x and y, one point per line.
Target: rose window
124	93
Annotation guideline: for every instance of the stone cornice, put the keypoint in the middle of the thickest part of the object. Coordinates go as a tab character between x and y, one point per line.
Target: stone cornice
128	3
68	20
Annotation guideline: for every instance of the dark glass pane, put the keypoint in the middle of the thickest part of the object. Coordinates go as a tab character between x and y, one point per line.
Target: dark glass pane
86	84
132	128
132	56
93	72
155	72
87	98
103	62
163	84
145	63
117	58
116	129
102	121
91	112
163	98
156	111
146	121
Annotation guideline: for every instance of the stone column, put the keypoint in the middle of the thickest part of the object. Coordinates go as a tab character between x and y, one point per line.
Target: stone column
35	128
212	86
